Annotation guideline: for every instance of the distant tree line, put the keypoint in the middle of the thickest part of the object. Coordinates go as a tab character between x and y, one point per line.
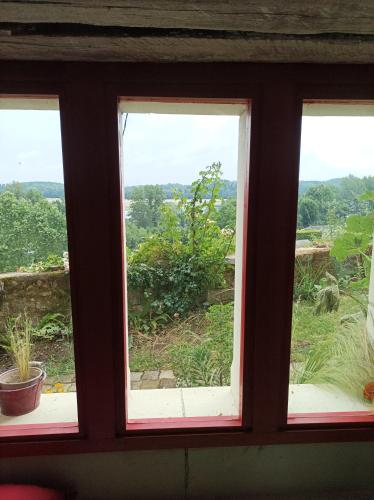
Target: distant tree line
329	203
31	228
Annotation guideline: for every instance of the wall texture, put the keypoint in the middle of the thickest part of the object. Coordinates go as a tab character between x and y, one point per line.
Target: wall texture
35	293
313	471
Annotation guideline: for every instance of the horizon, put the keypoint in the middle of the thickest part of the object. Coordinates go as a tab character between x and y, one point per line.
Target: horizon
181	184
179	146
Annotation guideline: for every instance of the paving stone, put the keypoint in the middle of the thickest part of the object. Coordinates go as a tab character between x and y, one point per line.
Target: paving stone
135	385
149	384
136	376
150	375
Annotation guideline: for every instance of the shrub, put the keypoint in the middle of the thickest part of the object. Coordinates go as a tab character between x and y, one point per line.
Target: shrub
176	266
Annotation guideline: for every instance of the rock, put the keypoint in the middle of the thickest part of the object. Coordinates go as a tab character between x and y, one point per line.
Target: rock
352	318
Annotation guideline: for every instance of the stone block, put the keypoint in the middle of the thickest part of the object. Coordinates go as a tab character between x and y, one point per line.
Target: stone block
149	384
150	375
168	383
135	385
167	374
136	376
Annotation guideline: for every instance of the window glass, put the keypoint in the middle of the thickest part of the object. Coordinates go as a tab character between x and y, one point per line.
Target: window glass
184	169
37	375
332	353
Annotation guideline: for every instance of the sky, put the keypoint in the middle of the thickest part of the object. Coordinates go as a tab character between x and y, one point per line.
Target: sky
173	148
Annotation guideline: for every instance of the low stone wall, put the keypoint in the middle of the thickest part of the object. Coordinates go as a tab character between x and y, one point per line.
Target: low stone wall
49	292
34	293
318	259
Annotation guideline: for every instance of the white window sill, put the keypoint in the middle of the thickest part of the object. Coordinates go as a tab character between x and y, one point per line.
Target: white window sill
194	402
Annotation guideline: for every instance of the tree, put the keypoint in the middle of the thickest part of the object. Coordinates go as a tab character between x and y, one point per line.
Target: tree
307	212
226	214
31	229
145	206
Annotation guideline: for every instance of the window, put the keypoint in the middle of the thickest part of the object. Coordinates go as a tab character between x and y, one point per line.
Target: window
37	381
184	169
105	143
331	370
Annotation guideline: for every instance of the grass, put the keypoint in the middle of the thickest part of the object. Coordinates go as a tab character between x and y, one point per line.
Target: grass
309	329
327	351
152	351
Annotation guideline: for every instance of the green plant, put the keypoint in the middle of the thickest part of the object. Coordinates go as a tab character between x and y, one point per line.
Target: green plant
50	263
147	320
307	278
354	243
207	361
186	256
52	325
17	342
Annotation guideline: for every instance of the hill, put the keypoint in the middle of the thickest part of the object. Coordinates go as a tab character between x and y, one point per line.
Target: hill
47	189
228	190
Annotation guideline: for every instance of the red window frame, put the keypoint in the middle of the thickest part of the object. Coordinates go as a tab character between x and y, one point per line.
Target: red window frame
88	95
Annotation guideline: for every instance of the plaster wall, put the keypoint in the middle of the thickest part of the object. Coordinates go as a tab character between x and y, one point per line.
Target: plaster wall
319	470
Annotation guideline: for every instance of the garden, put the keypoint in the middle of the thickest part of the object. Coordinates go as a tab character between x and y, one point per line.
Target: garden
180	286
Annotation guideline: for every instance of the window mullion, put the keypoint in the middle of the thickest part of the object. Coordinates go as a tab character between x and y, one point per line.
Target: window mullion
86	184
274	173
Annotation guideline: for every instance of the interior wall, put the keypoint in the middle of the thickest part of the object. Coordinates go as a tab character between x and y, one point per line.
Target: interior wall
205	473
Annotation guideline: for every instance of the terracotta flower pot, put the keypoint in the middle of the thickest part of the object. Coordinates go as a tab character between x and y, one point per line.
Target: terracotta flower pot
18	398
369	391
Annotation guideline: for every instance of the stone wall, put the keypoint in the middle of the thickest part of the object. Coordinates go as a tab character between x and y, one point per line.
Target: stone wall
42	293
317	259
34	293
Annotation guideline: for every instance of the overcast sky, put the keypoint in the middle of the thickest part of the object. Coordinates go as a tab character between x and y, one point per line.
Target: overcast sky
173	148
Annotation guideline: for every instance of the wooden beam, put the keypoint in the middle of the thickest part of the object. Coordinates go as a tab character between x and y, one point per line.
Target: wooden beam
168	49
267	16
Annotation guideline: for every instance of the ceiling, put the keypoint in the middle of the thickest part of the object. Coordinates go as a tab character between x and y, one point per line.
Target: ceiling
325	31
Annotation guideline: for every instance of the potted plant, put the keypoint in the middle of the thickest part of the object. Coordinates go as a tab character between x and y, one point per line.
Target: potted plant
21	386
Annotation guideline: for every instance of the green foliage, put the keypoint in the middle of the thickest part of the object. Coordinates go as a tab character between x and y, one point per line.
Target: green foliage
53	326
207	361
145	207
51	263
186	256
31	228
355	241
308	234
226	214
227	190
143	359
46	189
344	359
307	279
356	237
331	201
135	235
313	337
147	320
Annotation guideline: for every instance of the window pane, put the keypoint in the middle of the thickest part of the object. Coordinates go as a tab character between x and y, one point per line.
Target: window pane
184	176
36	354
332	354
